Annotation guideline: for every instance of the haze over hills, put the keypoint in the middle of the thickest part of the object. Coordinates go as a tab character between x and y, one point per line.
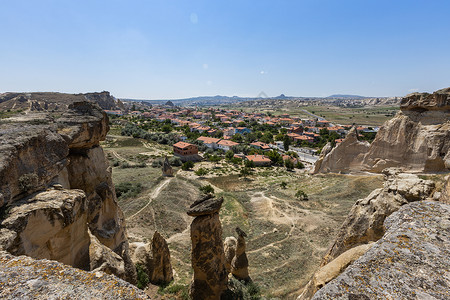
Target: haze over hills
336	99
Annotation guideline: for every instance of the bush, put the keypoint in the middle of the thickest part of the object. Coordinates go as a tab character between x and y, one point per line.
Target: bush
289	164
128	189
181	291
299	165
201	172
283	185
207	189
142	277
187	165
175	161
28	182
301	195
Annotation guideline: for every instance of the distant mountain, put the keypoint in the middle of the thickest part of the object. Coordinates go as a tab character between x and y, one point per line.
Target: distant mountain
345	96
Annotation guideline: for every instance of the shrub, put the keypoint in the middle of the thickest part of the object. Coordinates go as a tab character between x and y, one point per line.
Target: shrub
157	163
28	182
207	189
128	189
301	195
289	164
283	184
187	165
175	161
201	172
299	165
142	277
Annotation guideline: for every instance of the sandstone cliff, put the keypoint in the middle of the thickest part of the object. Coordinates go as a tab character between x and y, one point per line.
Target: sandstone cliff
417	139
409	262
54	174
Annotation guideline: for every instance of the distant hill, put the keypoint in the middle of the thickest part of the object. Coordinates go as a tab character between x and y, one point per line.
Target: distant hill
345	96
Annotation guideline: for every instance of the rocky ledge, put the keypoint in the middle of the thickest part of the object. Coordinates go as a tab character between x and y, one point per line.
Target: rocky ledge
409	262
22	277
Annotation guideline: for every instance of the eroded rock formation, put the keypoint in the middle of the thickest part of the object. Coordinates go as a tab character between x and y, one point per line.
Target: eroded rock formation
409	262
37	153
417	139
167	168
208	257
239	264
345	157
22	277
230	244
364	223
155	258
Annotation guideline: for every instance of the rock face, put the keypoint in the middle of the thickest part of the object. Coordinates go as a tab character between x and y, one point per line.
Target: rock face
55	101
38	153
155	258
364	223
417	139
445	195
230	244
22	277
239	264
409	262
208	257
167	168
332	270
50	224
346	156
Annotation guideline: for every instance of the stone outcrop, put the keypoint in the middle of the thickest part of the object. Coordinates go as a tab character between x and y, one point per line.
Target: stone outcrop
208	257
343	158
239	264
155	258
167	168
50	224
364	222
38	153
22	277
445	193
53	102
230	244
409	262
417	139
332	270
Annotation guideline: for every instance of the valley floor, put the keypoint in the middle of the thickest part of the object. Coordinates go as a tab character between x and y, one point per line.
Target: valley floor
286	237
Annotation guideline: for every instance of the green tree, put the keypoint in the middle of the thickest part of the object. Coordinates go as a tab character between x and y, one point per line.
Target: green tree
245	171
286	142
229	154
187	165
289	164
299	165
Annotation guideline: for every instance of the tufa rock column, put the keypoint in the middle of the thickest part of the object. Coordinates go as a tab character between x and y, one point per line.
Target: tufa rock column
239	264
208	257
167	168
230	250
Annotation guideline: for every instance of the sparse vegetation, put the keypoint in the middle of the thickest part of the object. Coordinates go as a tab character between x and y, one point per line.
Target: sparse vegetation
28	182
128	189
187	165
207	189
142	277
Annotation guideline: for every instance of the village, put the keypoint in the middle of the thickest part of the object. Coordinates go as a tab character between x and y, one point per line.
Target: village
257	139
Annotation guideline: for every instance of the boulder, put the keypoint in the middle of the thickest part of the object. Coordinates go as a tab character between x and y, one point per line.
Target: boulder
409	262
208	257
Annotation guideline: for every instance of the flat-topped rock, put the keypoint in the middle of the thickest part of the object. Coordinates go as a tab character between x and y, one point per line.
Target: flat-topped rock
439	100
22	277
205	206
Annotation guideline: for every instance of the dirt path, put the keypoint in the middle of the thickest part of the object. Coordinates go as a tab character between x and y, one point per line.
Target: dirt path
153	195
118	156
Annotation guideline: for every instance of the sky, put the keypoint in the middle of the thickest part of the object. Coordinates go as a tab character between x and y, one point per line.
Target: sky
171	49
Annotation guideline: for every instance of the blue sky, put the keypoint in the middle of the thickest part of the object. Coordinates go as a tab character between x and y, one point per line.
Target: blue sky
176	49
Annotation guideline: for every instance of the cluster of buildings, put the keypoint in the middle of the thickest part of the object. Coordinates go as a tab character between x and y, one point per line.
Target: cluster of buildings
232	122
